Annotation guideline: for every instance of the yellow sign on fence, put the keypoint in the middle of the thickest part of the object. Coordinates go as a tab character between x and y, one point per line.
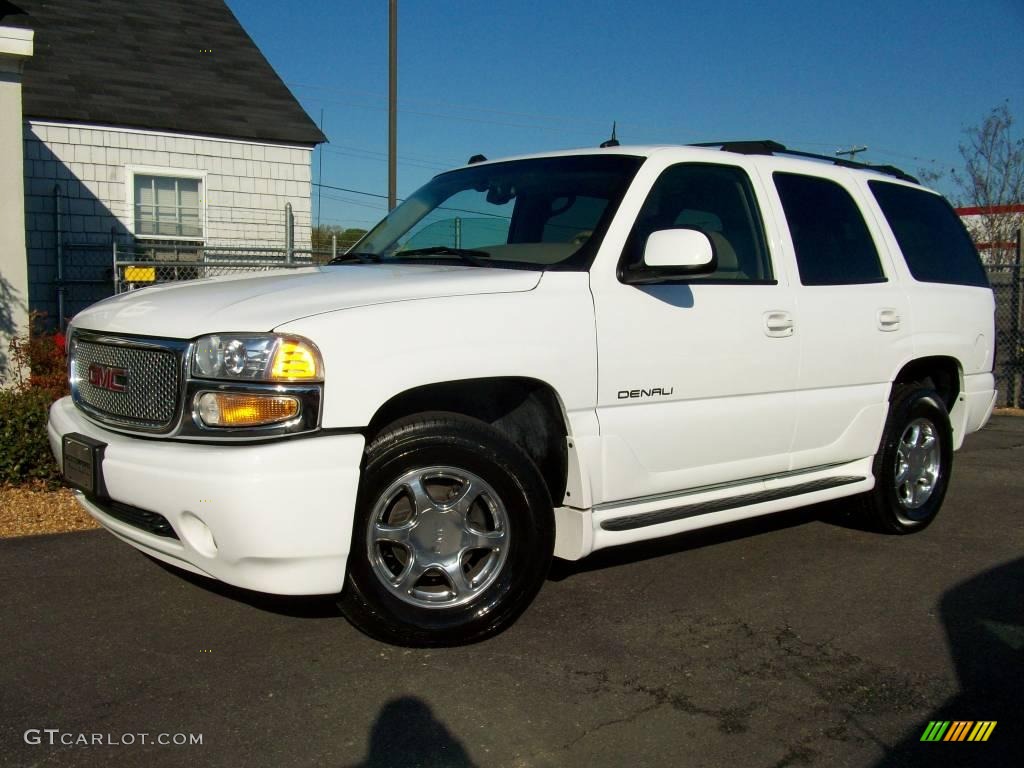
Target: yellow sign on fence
139	274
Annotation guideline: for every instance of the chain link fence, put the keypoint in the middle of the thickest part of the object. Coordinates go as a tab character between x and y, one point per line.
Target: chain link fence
140	265
1008	287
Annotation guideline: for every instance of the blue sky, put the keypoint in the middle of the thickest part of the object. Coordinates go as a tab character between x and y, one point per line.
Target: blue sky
904	78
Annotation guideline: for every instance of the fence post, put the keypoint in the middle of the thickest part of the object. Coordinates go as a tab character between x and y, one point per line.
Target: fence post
1017	349
289	233
334	246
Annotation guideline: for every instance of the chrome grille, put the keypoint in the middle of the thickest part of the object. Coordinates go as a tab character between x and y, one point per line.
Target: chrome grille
151	390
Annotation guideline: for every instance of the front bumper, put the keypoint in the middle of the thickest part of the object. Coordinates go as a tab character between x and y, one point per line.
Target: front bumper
275	517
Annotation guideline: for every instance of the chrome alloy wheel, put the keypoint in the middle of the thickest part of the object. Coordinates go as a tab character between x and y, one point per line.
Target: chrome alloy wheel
438	537
918	463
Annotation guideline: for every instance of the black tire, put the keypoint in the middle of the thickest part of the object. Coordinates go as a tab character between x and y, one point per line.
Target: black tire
890	507
388	611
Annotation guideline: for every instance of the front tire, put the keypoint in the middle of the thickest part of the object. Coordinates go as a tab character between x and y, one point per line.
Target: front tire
913	465
453	533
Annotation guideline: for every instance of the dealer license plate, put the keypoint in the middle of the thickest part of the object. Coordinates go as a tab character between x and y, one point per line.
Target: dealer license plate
83	464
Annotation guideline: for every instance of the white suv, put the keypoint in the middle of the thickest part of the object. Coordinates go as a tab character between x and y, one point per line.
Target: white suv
540	356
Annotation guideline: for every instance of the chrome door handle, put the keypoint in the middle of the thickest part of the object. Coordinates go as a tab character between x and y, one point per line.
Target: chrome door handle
888	320
778	324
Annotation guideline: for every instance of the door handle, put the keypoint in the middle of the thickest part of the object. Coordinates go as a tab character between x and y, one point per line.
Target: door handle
888	320
778	324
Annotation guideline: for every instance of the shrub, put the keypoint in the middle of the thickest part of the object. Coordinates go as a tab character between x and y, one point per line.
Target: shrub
24	448
43	355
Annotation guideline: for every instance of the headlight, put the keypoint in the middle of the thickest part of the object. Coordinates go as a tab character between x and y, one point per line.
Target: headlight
257	357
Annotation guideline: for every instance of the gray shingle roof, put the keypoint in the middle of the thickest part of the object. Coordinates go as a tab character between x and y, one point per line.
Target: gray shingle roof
141	64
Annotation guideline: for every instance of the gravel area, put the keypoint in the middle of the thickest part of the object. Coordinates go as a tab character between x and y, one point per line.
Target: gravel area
34	510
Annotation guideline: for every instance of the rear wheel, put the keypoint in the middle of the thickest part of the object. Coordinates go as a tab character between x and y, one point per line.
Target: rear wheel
913	465
453	534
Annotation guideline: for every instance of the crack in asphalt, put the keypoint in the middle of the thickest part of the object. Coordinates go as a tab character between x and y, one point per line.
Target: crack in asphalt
845	686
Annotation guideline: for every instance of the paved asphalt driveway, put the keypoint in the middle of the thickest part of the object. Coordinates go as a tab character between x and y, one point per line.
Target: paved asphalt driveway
794	640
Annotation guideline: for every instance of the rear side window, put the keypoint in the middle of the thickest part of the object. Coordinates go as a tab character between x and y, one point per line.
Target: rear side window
832	242
934	242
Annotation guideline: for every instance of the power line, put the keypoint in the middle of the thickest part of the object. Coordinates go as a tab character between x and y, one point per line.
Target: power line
353	191
408	163
413	158
573	119
450	116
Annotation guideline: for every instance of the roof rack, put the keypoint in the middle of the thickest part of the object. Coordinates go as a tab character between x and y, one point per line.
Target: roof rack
769	147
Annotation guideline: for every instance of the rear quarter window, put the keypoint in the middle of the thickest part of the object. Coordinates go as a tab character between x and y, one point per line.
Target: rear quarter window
931	236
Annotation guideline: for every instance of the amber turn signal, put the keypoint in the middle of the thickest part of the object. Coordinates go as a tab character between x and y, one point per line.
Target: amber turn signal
232	409
294	360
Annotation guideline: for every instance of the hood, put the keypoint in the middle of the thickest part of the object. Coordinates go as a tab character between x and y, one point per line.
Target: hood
262	301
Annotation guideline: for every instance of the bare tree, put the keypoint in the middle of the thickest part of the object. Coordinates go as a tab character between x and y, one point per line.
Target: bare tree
992	181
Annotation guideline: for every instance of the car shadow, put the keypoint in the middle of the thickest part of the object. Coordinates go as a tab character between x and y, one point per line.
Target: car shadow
294	606
984	623
833	513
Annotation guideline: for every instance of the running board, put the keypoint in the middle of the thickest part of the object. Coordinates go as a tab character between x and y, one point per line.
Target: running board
629	522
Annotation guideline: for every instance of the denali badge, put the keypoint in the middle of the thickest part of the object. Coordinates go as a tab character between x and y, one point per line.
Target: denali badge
659	391
108	377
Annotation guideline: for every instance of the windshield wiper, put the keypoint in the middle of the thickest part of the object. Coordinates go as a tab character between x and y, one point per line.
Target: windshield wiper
470	257
348	258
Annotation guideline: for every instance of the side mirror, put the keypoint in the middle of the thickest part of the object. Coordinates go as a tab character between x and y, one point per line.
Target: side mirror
673	254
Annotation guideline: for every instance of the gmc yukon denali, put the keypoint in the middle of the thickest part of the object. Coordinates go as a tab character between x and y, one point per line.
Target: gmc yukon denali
536	357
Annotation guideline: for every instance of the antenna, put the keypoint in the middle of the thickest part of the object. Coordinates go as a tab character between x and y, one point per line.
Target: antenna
612	142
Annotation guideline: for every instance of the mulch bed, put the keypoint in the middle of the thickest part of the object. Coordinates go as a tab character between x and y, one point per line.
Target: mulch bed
30	510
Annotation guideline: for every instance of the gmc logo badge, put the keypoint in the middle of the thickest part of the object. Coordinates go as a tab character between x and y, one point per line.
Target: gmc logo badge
107	377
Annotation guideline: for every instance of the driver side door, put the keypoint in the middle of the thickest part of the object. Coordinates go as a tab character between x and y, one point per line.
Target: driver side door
697	376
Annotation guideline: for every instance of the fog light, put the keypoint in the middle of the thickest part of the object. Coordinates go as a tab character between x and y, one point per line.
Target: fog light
232	409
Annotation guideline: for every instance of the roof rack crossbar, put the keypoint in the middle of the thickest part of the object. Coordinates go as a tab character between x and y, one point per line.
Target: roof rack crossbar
769	147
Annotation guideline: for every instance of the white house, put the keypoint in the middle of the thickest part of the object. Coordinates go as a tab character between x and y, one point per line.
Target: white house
150	122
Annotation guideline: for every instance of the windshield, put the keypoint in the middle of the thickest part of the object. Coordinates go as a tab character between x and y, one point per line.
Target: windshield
536	214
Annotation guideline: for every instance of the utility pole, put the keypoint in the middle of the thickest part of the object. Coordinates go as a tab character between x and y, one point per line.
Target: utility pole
852	151
392	102
320	176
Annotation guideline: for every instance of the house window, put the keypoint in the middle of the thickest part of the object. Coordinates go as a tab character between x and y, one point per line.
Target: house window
168	206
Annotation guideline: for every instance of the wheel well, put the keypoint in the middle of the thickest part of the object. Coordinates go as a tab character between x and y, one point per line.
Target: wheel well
940	373
526	411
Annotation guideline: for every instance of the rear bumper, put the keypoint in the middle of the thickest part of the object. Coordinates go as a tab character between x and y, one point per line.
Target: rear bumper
974	406
275	517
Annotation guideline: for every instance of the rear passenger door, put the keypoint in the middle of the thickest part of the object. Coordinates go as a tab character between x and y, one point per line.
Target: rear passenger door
852	316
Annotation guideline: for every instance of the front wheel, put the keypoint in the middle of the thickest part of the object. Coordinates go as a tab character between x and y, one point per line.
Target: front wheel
913	465
453	533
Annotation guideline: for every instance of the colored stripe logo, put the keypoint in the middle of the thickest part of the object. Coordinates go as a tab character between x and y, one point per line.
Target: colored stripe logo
958	730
